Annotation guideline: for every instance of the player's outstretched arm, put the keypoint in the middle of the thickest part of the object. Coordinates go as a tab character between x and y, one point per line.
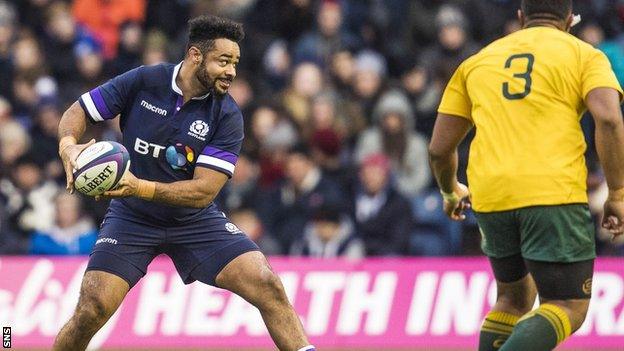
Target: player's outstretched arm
70	130
448	133
198	192
604	105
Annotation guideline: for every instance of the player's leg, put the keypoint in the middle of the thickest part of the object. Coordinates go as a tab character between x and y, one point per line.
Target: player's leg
119	259
567	285
515	292
214	251
250	276
101	293
559	250
565	290
515	296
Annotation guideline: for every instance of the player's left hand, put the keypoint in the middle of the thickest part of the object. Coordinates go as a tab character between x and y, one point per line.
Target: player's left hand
127	186
454	207
613	217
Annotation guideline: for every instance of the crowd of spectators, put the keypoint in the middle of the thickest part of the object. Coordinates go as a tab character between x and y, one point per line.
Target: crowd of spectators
339	99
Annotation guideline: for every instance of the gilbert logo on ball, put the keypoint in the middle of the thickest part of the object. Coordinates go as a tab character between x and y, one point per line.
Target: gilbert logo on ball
100	167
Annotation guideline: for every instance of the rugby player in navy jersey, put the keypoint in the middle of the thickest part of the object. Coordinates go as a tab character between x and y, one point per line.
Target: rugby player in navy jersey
184	133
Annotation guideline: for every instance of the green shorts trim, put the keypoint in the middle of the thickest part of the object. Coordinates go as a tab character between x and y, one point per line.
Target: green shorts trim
559	233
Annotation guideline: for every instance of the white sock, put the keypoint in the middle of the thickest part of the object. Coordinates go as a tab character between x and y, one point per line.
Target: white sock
307	348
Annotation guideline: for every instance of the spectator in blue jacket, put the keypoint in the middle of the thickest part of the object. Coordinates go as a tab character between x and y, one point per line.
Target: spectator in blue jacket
72	233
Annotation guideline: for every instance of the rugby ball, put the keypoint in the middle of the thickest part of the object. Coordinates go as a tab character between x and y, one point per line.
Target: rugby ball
100	167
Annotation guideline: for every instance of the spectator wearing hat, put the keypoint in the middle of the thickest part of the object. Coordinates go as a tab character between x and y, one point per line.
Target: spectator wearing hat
329	234
453	43
382	215
368	80
394	136
305	188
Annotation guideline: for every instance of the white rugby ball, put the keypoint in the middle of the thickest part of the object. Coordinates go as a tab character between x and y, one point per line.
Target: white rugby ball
100	167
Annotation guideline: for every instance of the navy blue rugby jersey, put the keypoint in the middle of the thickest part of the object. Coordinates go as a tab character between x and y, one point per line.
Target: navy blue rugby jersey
167	138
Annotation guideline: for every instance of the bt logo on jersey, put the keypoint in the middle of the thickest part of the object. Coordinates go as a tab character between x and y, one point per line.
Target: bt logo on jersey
144	148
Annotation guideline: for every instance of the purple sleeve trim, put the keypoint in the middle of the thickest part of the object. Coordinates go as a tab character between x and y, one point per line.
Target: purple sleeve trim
220	154
98	100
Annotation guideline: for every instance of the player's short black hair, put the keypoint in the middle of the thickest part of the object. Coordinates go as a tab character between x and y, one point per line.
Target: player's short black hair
204	30
547	9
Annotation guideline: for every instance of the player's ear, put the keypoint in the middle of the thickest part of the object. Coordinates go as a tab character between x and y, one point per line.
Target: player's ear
195	55
569	22
521	18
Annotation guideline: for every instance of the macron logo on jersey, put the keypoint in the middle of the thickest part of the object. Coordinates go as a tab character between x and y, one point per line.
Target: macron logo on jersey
106	240
153	108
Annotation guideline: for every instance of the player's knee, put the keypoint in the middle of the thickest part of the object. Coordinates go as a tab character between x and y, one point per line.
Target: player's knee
516	298
576	309
91	312
515	304
271	289
578	320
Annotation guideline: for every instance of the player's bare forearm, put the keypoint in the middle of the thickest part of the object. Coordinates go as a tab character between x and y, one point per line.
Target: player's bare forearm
70	130
198	192
610	148
73	123
448	132
604	105
186	193
444	168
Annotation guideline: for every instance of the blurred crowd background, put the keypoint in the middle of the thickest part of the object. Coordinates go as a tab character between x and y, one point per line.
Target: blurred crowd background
339	99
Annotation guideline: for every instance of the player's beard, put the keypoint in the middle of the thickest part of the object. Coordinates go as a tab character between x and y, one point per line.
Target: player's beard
204	78
209	83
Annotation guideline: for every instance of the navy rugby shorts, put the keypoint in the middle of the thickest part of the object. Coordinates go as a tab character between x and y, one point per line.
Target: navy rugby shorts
199	250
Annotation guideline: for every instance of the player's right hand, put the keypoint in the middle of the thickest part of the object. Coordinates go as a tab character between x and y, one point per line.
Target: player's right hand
68	155
613	216
455	207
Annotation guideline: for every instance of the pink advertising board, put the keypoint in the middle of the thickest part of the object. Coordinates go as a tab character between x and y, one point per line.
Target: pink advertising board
376	304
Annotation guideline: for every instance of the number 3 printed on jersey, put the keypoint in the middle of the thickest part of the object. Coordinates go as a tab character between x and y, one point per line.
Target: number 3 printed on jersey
526	76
